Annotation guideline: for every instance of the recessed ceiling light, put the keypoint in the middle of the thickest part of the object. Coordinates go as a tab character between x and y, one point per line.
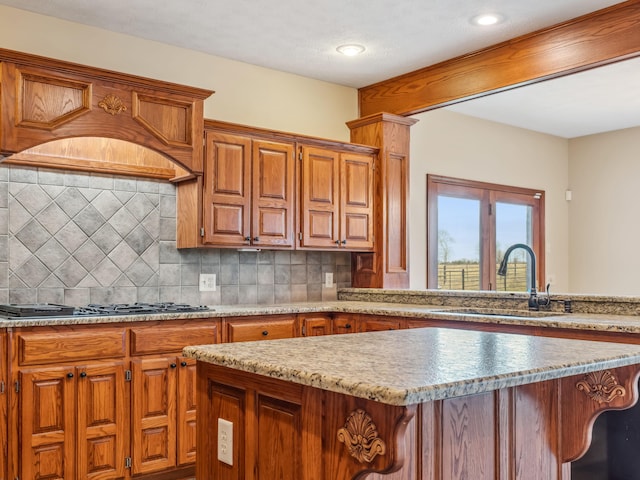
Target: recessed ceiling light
487	19
350	50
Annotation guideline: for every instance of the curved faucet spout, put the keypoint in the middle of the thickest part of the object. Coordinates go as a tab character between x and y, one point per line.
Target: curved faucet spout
534	303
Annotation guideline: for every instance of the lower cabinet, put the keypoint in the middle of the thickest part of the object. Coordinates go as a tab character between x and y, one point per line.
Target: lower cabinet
74	421
312	325
77	414
163	414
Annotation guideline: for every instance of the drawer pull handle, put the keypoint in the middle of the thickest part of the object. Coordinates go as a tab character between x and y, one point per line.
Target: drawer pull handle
265	333
173	365
83	374
184	364
69	375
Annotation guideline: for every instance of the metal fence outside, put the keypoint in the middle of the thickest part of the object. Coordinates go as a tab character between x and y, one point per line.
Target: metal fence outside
466	276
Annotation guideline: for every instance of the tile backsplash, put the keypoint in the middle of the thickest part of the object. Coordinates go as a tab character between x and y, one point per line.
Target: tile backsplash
75	238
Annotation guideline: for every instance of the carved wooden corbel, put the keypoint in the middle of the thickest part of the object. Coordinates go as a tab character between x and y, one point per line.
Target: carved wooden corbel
601	387
360	437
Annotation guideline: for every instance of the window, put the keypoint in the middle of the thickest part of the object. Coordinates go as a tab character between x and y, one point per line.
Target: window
471	224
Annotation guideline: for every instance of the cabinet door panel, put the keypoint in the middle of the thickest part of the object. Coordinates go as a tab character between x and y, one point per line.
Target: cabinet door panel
320	197
356	205
279	439
315	325
186	411
273	192
227	189
103	422
47	422
154	414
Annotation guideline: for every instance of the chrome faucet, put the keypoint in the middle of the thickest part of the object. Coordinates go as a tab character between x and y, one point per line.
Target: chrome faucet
534	301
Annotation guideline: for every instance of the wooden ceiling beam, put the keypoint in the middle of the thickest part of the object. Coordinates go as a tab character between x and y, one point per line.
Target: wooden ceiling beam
599	38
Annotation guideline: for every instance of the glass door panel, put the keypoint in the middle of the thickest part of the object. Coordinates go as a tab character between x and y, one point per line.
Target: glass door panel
458	243
514	225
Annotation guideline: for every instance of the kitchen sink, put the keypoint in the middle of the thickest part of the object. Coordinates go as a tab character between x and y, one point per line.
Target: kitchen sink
503	312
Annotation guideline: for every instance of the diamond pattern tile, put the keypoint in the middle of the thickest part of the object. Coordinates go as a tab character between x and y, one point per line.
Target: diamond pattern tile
52	218
71	201
102	239
33	235
33	198
89	220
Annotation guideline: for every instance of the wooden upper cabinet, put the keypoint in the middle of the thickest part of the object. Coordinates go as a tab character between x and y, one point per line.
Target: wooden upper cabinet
273	194
336	207
227	189
320	188
356	201
45	100
248	192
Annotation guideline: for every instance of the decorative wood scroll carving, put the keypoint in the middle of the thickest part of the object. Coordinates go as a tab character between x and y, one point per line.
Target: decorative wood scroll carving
112	104
602	386
360	435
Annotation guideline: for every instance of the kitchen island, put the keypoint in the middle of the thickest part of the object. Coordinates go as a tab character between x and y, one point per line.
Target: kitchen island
421	404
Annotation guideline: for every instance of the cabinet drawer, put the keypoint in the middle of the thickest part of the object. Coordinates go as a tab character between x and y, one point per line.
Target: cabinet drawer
165	339
68	345
246	330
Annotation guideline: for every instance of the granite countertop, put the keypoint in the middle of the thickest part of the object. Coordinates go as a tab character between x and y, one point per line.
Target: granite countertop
406	367
462	311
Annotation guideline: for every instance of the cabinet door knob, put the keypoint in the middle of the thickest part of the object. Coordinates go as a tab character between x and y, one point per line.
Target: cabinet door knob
69	375
173	365
265	333
256	239
184	364
337	242
344	242
247	239
83	374
348	325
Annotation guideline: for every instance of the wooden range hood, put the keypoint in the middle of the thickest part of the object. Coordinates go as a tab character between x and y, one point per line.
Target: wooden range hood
57	114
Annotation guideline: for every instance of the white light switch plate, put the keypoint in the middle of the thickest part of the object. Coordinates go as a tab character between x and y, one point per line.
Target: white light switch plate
328	280
207	282
225	441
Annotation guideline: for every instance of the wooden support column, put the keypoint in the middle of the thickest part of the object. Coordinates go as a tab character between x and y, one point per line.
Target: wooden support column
388	265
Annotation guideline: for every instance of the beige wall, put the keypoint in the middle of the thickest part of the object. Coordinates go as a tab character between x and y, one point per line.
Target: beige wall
455	145
604	172
244	93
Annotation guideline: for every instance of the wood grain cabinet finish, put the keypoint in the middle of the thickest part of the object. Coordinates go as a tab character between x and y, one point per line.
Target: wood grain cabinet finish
45	100
345	323
73	421
163	414
312	325
248	192
102	402
248	329
336	199
379	323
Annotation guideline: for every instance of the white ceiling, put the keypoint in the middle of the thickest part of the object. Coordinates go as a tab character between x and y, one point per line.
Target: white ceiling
300	36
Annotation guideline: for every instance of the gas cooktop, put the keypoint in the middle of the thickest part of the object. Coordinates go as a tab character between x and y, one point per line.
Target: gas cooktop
53	310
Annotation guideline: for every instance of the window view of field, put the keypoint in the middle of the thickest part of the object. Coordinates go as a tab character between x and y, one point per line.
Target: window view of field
463	275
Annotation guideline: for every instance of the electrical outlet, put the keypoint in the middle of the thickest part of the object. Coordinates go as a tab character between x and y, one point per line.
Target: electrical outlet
225	441
328	280
207	282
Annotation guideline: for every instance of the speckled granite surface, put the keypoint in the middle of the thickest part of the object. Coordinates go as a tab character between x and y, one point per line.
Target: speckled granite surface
412	366
581	303
487	313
